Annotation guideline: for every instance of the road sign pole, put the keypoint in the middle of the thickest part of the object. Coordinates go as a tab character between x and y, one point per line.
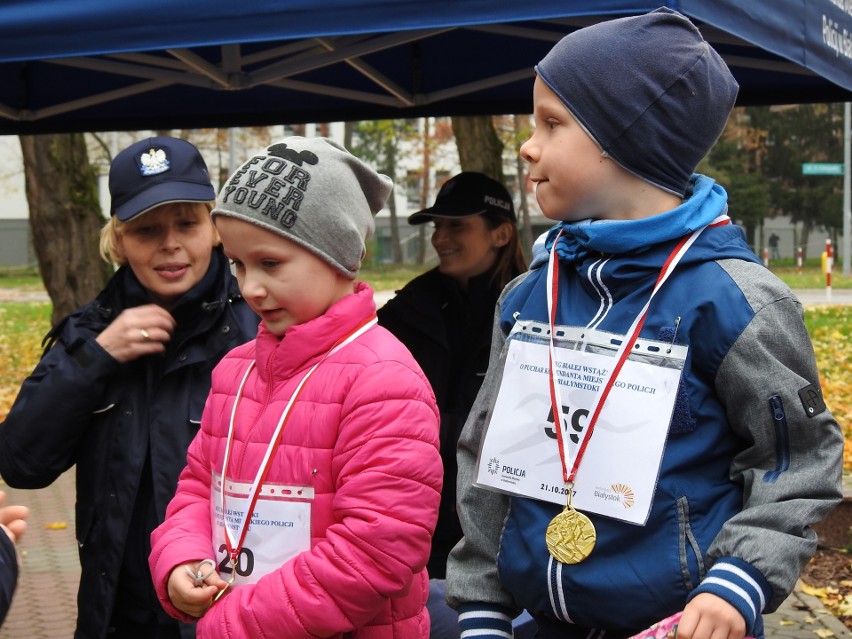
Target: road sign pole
847	194
829	259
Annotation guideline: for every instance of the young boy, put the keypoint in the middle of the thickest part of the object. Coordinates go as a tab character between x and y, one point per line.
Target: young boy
695	448
324	428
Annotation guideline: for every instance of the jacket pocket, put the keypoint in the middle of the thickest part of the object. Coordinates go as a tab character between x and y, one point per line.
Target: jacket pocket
86	522
690	554
196	409
782	439
105	409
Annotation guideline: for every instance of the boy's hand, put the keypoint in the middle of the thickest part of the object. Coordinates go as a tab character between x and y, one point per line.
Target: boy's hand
709	616
189	598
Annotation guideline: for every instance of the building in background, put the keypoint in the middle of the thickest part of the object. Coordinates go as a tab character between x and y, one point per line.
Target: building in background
15	246
224	150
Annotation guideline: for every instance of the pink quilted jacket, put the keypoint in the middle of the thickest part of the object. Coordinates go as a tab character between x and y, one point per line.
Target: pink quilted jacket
364	435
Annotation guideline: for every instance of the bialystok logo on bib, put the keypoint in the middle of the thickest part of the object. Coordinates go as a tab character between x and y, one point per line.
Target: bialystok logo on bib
616	492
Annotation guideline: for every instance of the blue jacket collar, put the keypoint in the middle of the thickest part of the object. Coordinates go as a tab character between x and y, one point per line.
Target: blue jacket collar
706	200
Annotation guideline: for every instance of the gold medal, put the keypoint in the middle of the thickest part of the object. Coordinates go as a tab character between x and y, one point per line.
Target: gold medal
219	594
570	536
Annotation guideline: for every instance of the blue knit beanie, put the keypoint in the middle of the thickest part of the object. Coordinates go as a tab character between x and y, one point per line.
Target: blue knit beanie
648	89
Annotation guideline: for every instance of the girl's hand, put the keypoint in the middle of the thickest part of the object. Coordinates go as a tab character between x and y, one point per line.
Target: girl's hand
193	585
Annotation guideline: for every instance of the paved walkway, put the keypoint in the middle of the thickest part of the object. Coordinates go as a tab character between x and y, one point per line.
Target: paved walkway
45	603
823	296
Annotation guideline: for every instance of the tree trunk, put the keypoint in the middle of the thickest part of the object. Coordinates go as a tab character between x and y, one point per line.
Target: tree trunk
796	243
396	245
65	219
425	186
805	237
523	204
479	146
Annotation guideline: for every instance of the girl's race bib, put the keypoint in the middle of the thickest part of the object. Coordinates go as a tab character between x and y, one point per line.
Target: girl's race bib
278	530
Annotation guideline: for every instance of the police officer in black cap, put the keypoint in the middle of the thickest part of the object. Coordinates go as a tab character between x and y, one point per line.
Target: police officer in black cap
444	317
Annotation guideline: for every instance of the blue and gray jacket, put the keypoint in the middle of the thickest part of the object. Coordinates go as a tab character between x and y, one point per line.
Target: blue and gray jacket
752	456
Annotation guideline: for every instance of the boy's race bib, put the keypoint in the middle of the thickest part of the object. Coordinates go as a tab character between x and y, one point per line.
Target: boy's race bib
618	472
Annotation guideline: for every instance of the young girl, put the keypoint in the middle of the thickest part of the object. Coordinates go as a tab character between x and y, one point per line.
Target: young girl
312	490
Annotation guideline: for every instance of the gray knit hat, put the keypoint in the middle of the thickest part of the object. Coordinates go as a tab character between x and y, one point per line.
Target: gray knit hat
648	89
311	191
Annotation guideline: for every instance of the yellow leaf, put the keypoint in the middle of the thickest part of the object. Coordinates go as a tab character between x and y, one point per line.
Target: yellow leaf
844	608
56	525
824	633
815	592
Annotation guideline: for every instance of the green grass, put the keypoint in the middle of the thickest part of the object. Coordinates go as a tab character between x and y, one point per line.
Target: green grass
20	277
22	327
20	319
390	278
834	321
811	275
23	314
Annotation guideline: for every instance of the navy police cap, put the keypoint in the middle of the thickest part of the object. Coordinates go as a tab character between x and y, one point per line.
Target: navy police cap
157	171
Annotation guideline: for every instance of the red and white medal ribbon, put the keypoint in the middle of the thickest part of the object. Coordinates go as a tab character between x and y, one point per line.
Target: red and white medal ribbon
620	357
234	539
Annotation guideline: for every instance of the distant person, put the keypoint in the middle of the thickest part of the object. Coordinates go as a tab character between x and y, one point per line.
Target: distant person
650	438
445	318
312	488
774	254
121	385
13	523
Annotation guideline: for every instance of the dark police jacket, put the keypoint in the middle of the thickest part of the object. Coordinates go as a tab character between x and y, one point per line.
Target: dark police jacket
448	330
126	427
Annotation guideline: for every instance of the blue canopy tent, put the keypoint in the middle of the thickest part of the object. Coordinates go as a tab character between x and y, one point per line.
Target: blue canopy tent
88	65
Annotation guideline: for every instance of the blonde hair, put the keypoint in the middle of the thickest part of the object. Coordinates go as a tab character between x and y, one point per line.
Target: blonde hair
114	228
